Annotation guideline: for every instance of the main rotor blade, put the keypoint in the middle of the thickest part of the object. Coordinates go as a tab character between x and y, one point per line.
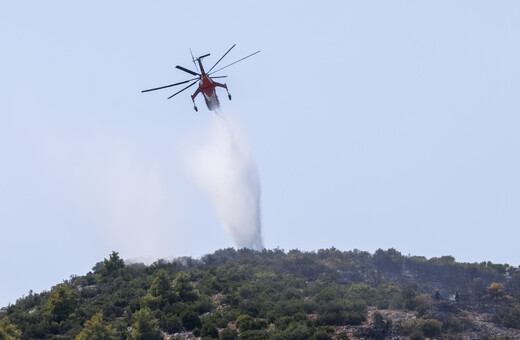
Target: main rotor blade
193	59
218	77
221	58
163	87
252	54
186	70
176	93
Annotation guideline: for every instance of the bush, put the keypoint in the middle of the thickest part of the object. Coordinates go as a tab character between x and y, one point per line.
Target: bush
228	334
190	320
244	323
427	327
321	335
196	331
431	328
145	326
209	331
509	316
254	334
171	323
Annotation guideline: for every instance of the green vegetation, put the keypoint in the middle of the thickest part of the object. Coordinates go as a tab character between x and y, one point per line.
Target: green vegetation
243	294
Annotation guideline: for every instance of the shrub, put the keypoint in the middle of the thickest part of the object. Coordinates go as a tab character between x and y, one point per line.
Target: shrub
228	334
427	327
190	320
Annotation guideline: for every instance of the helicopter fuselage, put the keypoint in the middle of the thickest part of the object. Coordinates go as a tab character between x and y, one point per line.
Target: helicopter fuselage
207	87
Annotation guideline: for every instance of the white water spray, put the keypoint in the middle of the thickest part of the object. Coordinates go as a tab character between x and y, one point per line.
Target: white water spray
226	171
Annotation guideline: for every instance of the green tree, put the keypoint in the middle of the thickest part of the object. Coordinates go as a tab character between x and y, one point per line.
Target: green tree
171	323
112	266
297	331
145	326
190	319
244	323
228	334
417	328
254	334
184	288
62	302
209	330
160	291
377	318
359	292
97	329
161	285
9	331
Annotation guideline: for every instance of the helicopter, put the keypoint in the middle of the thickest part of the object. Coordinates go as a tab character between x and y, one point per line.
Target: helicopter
207	84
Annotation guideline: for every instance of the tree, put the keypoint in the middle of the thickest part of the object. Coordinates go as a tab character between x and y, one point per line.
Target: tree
160	291
171	323
418	327
112	265
97	329
190	320
62	302
8	331
161	285
496	292
244	323
209	331
183	287
145	326
228	334
254	334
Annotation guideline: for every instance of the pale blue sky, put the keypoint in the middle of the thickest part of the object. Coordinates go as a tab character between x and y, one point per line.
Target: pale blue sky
373	125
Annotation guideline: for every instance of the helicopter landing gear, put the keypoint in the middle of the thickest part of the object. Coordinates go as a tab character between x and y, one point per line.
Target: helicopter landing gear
228	94
195	108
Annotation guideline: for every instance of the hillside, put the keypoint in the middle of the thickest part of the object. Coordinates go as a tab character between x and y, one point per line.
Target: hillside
243	294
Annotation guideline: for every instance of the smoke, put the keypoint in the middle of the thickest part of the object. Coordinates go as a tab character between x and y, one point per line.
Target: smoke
224	168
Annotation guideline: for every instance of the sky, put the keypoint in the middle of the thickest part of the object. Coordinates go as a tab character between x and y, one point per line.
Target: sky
372	124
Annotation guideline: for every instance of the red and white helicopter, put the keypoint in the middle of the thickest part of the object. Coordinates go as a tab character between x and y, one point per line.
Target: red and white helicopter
207	86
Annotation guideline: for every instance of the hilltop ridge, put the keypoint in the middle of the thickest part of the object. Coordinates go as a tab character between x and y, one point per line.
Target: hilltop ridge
273	294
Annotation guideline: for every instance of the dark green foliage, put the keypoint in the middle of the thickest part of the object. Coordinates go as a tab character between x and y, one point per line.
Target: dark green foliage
145	326
419	328
97	329
228	334
190	319
171	323
323	333
183	288
269	295
431	328
161	285
254	334
196	332
509	314
244	323
378	319
62	302
454	325
295	331
380	327
112	266
209	331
